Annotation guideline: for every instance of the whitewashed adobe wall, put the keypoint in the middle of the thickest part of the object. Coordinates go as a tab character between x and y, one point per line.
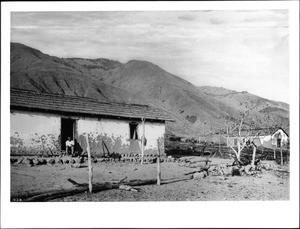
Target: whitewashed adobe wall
34	132
115	135
153	131
38	132
283	135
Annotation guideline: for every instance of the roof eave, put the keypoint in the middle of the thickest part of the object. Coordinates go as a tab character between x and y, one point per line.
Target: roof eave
24	108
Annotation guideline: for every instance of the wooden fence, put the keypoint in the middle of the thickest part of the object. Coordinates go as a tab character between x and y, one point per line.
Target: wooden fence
179	149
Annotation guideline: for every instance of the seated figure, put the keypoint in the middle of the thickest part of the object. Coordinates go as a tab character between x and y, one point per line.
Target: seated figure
69	145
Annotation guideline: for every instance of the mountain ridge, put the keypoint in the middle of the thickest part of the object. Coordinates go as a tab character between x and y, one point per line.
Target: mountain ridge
215	89
196	109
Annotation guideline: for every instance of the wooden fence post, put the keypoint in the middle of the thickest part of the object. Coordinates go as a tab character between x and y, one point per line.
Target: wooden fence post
281	156
219	143
158	164
253	156
143	139
89	163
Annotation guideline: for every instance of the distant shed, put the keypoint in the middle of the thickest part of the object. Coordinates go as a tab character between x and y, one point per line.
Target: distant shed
42	122
266	137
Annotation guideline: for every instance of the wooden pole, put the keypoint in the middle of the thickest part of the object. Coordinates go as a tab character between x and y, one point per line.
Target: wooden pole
220	144
89	164
253	155
281	155
274	153
158	164
143	139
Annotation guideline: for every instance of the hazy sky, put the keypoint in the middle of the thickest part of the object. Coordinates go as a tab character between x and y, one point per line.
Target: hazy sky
239	50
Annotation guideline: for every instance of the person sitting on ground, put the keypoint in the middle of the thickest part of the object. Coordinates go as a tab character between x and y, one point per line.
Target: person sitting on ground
69	145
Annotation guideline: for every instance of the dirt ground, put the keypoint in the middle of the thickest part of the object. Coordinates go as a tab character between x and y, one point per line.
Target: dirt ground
268	185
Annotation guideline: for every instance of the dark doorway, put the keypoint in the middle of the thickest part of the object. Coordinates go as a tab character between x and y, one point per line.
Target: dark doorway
133	133
67	130
278	142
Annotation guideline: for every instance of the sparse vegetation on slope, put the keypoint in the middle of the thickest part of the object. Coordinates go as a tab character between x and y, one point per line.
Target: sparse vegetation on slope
197	110
33	70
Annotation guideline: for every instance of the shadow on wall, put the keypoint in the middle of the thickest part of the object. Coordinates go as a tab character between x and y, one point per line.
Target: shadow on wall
103	144
35	144
100	145
77	147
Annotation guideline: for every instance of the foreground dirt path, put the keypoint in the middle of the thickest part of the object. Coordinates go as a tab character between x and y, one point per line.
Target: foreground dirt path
269	185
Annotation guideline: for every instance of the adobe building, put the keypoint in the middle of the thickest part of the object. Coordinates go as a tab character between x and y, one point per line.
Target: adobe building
41	123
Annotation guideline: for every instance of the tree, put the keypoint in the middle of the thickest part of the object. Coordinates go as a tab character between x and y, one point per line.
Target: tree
240	130
246	128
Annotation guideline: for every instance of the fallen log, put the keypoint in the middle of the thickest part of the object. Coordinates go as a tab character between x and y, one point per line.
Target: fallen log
120	181
75	183
83	187
97	187
56	194
282	171
197	171
21	197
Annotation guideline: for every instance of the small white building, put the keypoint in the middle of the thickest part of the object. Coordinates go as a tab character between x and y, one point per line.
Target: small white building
41	122
267	137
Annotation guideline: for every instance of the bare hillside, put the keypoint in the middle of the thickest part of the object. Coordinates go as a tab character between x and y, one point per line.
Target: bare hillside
197	110
34	70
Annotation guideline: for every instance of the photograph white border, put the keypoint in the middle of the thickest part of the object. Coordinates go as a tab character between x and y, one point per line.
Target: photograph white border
150	214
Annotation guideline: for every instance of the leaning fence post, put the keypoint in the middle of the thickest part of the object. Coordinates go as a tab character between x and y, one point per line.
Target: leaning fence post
89	163
143	140
158	164
219	143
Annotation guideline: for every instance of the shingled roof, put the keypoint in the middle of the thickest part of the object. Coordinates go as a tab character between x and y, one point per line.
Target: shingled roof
80	105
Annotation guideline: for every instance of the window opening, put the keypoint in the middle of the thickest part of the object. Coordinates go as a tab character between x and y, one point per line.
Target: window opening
133	129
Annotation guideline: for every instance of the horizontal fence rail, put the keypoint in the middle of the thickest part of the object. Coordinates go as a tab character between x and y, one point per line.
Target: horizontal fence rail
178	149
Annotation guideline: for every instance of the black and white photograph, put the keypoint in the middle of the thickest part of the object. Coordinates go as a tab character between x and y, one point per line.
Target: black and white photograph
151	105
